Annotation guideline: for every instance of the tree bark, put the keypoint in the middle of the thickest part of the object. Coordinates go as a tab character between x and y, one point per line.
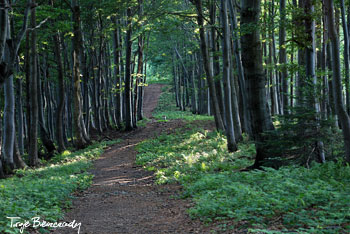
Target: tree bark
283	56
226	51
204	49
245	119
44	134
255	76
33	84
9	124
118	79
337	84
20	117
79	140
310	58
128	92
61	94
346	55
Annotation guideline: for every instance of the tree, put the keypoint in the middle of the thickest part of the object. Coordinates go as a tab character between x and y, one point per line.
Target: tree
129	125
9	46
61	90
33	85
226	51
204	50
79	140
283	56
336	81
255	76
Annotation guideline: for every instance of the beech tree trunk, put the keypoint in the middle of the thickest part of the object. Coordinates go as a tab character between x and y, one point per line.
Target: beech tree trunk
346	56
128	92
33	84
44	133
245	115
255	76
226	51
283	56
20	117
79	140
118	91
9	124
204	49
336	81
61	94
310	57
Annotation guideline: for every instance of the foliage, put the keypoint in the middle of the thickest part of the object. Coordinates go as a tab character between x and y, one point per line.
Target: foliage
296	198
291	199
158	79
295	137
167	110
142	123
46	191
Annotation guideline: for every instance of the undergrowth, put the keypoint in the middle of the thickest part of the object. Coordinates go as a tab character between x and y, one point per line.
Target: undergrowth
158	80
46	191
167	110
293	199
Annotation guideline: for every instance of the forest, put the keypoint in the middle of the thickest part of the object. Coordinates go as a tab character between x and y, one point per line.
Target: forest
182	116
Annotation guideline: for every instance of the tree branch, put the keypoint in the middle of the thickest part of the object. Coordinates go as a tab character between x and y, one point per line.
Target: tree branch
21	33
39	25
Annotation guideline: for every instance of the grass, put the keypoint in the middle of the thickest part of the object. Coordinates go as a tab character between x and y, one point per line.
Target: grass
292	199
46	191
158	80
167	108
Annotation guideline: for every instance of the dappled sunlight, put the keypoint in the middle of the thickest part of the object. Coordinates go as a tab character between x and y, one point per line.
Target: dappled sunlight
44	189
116	180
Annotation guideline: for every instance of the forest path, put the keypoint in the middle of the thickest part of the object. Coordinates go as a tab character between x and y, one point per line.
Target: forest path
123	197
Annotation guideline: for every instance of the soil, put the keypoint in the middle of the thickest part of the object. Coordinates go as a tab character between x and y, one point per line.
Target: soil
124	197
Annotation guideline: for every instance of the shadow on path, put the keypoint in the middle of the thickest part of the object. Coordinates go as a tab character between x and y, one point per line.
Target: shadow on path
123	197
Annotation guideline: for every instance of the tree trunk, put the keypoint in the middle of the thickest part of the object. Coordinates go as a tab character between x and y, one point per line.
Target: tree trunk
337	84
61	94
128	92
311	68
255	76
20	117
9	124
79	140
283	56
20	164
44	135
214	58
118	91
346	56
245	119
226	51
34	115
212	90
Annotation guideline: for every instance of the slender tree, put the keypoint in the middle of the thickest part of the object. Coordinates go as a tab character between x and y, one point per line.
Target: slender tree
226	51
129	125
79	140
209	77
254	73
336	81
33	84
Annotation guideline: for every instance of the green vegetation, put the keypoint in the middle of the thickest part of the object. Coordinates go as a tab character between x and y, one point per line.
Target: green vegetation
46	191
291	199
167	109
158	80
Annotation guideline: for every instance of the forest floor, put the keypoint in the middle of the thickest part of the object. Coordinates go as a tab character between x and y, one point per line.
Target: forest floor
123	197
173	174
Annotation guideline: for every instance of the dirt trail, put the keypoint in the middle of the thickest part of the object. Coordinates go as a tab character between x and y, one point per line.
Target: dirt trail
123	197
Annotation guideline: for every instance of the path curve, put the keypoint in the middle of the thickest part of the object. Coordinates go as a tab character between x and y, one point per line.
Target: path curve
123	197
